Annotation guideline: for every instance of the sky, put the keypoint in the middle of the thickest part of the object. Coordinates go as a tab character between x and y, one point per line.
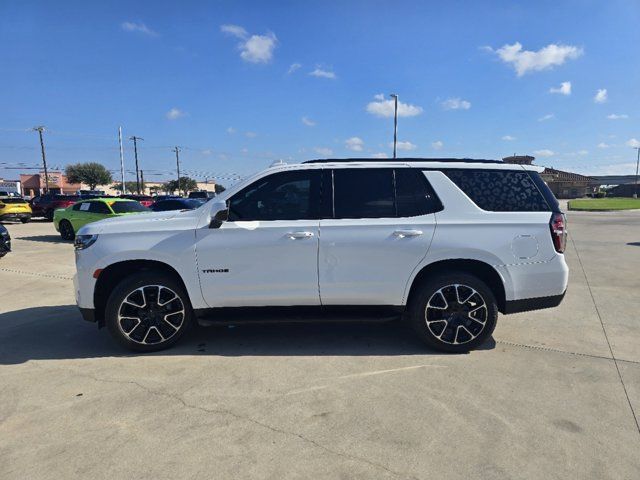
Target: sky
238	84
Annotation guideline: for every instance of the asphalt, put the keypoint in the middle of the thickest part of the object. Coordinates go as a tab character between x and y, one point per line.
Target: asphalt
552	395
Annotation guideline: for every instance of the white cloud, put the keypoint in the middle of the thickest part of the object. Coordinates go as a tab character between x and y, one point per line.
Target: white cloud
322	73
380	155
379	96
174	114
404	146
253	48
231	130
234	30
354	143
632	142
385	108
456	104
546	117
308	122
603	145
437	145
327	152
563	89
544	153
207	152
601	95
250	134
524	61
138	27
293	67
614	116
508	138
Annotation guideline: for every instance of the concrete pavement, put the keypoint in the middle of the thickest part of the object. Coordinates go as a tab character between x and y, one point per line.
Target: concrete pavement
544	399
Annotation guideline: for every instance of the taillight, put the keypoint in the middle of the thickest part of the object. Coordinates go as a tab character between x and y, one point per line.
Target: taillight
558	227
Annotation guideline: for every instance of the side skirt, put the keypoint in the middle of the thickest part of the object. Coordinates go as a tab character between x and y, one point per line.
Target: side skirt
298	314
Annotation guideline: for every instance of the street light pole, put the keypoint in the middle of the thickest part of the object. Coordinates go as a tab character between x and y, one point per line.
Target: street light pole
40	129
635	190
395	123
177	150
135	154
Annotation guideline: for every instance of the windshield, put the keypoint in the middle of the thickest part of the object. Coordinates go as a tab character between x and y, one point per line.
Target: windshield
127	207
12	200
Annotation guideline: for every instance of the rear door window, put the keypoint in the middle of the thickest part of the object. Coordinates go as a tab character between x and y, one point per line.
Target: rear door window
99	207
363	193
499	190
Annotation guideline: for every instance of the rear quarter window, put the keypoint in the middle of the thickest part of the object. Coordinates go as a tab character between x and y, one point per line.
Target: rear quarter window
499	190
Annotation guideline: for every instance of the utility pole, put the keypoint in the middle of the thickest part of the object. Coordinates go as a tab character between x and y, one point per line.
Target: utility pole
177	150
40	129
135	153
142	181
123	190
635	190
395	123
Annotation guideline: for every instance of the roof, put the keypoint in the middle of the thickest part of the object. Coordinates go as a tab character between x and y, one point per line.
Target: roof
107	200
563	176
402	160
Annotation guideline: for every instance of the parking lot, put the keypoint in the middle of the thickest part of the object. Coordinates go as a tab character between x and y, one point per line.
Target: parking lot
552	396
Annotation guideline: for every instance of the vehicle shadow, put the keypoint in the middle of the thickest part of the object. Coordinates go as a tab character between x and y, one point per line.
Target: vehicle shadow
634	244
44	238
58	332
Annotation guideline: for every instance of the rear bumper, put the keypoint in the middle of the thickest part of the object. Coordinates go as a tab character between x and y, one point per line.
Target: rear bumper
538	303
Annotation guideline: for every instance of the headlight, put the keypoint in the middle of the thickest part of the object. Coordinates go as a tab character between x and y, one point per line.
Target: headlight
84	241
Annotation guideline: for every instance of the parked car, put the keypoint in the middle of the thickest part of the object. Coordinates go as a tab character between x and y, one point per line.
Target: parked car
45	205
202	194
144	200
14	208
176	204
69	220
444	244
157	198
5	241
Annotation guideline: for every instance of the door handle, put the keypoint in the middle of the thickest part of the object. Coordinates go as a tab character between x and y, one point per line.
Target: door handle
407	233
294	235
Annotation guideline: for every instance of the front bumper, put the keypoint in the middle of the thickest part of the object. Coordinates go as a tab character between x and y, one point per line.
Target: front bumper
14	216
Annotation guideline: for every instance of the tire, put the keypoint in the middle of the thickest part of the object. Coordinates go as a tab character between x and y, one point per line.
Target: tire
48	215
25	219
464	324
150	328
66	230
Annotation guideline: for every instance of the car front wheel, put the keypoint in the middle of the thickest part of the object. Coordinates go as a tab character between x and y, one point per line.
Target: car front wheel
148	311
66	230
453	312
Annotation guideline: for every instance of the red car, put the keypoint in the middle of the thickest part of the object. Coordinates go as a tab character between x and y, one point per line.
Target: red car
44	205
145	200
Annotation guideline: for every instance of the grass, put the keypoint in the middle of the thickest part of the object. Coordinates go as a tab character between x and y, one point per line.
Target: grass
604	204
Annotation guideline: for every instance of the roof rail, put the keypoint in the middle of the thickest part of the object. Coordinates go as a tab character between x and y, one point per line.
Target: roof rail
402	160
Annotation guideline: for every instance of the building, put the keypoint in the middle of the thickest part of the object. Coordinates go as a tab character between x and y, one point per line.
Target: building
34	184
562	184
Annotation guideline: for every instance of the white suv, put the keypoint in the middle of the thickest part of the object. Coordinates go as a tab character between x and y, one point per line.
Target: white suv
445	244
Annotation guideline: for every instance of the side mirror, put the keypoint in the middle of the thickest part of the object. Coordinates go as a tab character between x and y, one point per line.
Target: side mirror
220	214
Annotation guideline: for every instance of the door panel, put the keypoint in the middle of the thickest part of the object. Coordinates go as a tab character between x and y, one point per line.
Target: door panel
259	263
266	254
368	262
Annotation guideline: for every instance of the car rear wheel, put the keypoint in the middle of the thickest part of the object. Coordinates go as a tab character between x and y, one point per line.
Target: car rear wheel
148	311
66	230
25	219
453	312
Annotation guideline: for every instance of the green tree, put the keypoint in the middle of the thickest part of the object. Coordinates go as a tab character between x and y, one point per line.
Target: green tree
219	188
186	184
130	187
91	173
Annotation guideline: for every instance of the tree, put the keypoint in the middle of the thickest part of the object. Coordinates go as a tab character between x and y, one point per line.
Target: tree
219	188
130	187
91	173
186	184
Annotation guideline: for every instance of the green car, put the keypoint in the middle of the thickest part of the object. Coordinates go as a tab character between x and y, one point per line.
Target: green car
69	220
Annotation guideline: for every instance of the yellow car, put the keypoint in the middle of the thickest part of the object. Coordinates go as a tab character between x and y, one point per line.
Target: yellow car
14	208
